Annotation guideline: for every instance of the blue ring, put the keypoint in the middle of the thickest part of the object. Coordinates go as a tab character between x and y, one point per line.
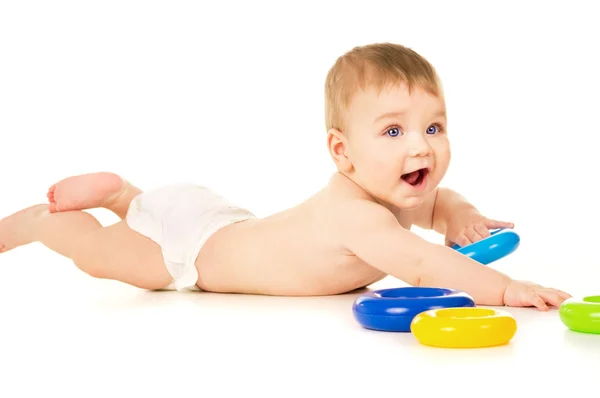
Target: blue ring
392	310
501	243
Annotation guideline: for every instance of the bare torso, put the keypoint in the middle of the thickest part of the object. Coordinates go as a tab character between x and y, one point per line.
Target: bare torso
296	252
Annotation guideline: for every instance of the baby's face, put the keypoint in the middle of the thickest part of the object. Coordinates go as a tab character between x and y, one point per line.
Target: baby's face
397	143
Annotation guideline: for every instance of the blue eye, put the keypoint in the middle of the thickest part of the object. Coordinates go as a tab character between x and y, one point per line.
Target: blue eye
432	129
393	132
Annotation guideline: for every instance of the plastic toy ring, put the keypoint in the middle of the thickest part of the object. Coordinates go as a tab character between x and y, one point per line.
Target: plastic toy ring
464	327
392	310
581	315
501	243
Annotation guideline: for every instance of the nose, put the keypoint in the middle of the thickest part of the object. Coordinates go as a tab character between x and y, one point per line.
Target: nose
417	145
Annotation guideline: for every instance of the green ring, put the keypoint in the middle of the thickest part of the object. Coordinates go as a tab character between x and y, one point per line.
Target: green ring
581	315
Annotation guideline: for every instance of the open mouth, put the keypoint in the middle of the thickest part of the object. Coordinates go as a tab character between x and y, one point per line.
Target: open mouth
416	177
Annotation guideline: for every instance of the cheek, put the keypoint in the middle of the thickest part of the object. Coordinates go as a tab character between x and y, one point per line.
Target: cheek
441	148
381	166
442	154
374	155
362	152
376	160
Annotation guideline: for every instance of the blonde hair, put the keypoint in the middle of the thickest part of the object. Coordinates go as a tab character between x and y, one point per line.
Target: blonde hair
374	65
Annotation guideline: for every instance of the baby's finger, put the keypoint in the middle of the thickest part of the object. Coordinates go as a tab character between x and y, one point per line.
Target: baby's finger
531	297
472	235
552	297
539	302
564	294
482	230
462	240
493	224
560	293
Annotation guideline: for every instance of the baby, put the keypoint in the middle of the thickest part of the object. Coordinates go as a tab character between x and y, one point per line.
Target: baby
386	126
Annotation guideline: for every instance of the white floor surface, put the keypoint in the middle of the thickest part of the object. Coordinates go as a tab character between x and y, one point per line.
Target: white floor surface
66	333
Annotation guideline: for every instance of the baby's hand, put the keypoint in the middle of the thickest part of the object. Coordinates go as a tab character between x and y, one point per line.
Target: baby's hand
471	227
527	294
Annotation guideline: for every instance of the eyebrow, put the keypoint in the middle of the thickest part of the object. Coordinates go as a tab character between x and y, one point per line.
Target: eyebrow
389	115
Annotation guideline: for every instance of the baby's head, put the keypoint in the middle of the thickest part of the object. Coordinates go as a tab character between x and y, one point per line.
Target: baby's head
386	121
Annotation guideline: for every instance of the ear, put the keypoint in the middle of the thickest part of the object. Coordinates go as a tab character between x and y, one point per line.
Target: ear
337	143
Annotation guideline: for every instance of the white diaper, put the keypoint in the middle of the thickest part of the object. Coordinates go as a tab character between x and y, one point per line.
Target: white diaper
180	218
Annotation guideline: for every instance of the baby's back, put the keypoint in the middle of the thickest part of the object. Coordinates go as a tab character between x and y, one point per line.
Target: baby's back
294	252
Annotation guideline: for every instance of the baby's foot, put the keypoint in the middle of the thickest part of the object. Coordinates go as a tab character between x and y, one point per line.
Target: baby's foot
86	191
17	229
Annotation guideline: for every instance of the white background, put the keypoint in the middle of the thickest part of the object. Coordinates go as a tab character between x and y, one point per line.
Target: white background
230	95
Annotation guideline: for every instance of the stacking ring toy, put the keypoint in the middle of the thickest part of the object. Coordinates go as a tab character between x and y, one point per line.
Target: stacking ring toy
464	327
501	243
581	315
392	310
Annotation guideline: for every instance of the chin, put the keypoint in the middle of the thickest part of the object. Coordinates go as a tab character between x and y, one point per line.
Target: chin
410	203
402	202
409	200
403	195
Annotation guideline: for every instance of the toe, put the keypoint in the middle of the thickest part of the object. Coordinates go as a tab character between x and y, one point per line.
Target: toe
50	193
52	207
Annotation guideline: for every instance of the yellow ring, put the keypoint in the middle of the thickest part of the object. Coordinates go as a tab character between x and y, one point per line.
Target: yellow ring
464	327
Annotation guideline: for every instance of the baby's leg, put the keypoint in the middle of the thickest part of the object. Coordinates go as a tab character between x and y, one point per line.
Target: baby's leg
88	191
115	252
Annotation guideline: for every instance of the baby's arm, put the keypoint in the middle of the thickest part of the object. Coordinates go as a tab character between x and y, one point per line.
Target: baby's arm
450	204
452	215
377	238
374	235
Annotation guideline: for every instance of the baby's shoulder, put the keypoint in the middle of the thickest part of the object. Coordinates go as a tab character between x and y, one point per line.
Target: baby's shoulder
351	206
